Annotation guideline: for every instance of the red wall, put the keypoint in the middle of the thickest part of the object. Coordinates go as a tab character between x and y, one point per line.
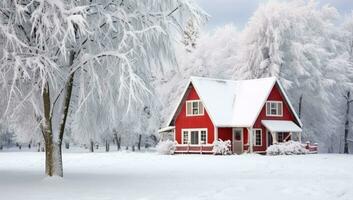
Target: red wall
225	134
275	95
182	121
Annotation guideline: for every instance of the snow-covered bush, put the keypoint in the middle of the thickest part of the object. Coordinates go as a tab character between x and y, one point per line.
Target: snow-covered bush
286	148
221	147
166	147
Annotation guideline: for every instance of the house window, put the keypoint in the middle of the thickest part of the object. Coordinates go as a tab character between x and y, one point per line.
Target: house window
274	108
194	136
280	136
257	137
185	137
194	108
237	134
203	137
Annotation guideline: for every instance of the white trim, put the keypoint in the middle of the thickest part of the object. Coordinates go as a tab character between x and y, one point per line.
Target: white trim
179	102
232	125
189	136
289	103
254	134
276	102
215	134
281	126
204	105
192	101
264	103
182	136
250	139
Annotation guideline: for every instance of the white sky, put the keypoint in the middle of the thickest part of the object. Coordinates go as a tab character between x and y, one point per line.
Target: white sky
239	11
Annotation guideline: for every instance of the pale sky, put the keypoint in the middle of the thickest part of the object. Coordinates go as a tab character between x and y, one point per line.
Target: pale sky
239	11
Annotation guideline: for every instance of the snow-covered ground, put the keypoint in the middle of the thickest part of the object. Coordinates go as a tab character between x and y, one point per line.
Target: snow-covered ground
124	175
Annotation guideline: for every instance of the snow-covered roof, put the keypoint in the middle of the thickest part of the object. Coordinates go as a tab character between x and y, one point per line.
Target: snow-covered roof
234	103
281	126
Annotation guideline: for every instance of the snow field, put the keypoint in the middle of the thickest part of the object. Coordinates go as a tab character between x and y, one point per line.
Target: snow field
125	175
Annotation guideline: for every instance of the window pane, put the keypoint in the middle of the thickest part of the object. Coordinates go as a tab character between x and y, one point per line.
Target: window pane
237	135
200	108
195	107
268	108
280	136
273	109
194	137
257	137
203	137
188	108
185	137
279	108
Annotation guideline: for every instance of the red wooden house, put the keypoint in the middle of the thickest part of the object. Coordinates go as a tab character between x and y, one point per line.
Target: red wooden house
212	109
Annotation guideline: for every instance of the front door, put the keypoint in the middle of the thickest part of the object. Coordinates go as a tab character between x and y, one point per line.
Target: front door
237	140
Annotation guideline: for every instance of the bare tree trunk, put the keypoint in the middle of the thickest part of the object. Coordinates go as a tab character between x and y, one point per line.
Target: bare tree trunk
67	145
53	158
118	144
139	142
53	151
106	145
117	141
346	126
91	146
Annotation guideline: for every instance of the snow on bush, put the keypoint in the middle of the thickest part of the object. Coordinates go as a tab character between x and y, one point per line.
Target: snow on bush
286	148
166	147
221	147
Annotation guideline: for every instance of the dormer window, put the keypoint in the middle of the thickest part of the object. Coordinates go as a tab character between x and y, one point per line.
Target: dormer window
274	108
194	108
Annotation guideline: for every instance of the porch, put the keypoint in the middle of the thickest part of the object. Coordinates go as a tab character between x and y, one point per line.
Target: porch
281	131
196	149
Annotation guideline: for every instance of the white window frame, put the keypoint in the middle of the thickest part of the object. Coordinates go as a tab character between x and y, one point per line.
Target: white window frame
200	112
189	135
254	136
182	137
268	112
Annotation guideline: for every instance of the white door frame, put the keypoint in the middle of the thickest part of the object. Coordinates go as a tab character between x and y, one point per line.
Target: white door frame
242	139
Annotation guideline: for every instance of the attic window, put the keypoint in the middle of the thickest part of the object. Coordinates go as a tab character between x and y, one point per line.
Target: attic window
274	108
194	108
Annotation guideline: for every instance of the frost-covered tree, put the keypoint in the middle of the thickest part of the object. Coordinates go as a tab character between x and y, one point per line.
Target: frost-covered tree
215	55
191	34
100	50
301	45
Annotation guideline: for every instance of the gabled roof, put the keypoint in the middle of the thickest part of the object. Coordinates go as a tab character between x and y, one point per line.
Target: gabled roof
232	103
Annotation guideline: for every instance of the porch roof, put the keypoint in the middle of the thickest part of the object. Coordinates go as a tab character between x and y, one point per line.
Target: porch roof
166	129
281	126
